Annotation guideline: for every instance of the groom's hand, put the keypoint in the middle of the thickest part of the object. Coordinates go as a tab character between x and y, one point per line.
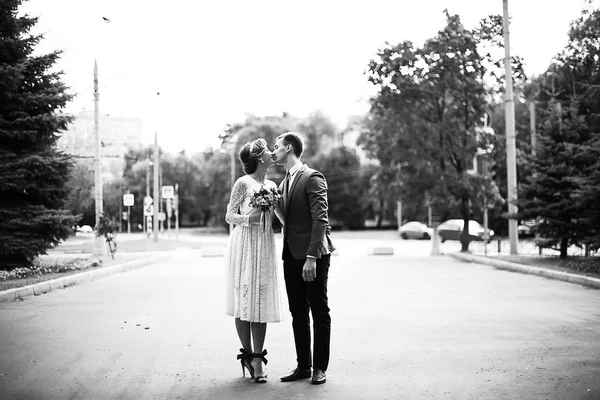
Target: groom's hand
309	271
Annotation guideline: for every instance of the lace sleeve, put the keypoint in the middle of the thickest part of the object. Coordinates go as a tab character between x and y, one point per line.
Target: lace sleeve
233	215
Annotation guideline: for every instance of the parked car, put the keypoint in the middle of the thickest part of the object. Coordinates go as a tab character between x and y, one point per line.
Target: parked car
85	229
527	228
415	230
452	229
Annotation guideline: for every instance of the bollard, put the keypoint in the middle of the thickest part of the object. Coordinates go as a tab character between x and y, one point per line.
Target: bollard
499	245
435	244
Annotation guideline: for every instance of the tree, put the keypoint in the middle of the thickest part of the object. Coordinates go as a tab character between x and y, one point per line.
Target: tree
33	173
561	190
319	132
80	201
548	195
577	69
427	117
345	195
214	186
588	192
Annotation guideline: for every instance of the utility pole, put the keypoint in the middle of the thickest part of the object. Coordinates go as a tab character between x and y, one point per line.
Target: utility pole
147	188
98	245
532	127
155	169
176	209
509	112
159	200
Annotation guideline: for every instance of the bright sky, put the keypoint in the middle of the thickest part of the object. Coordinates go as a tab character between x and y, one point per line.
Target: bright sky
214	61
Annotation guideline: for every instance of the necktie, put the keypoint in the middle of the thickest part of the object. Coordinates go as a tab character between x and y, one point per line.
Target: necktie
288	178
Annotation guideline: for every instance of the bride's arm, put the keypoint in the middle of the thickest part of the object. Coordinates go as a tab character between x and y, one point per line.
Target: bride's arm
233	208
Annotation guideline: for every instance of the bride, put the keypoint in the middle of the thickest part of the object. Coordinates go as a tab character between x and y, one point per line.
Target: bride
252	279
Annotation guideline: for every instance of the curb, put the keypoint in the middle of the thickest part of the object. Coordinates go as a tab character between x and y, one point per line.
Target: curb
526	269
61	283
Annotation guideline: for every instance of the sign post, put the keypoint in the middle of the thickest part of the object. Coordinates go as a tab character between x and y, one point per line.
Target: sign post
128	202
169	213
168	193
148	212
176	210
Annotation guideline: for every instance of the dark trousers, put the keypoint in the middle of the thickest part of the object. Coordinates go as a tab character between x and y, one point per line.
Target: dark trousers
302	297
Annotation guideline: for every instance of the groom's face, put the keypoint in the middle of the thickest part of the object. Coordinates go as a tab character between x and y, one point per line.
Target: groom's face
280	151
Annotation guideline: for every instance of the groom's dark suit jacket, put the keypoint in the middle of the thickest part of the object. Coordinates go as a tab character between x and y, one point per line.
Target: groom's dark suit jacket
305	210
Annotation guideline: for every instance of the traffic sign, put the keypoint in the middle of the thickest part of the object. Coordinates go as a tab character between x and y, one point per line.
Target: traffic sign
149	210
168	192
161	216
148	200
124	215
128	200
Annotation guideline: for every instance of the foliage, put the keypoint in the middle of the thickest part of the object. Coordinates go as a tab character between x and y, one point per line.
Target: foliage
319	133
426	121
587	193
346	195
80	200
40	267
561	191
108	228
548	194
33	173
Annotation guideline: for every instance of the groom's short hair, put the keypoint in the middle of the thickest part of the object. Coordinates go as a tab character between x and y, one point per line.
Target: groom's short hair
295	140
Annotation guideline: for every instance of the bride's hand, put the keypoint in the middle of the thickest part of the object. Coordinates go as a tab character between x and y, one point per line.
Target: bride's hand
255	216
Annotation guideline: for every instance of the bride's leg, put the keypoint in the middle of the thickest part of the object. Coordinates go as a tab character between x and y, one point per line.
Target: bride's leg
259	331
243	331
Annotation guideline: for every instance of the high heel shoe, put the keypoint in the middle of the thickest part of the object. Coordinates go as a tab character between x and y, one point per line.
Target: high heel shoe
261	357
245	358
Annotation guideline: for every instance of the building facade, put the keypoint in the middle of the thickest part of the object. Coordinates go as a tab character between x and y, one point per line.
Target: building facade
117	135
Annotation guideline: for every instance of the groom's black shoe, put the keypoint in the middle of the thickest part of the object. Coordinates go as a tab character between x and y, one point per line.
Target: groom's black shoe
318	377
296	375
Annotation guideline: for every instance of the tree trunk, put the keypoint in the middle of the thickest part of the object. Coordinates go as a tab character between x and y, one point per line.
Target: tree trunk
464	236
380	213
564	245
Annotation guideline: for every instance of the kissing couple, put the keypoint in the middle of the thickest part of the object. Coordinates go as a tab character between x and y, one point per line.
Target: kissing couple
252	284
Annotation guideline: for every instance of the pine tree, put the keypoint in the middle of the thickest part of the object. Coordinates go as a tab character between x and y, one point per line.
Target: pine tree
549	194
33	173
588	193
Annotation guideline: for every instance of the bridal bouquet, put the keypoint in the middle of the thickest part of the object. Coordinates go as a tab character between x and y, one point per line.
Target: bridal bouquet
265	199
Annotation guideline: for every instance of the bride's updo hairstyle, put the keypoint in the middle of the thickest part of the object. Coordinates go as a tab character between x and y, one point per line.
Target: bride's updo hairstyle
250	154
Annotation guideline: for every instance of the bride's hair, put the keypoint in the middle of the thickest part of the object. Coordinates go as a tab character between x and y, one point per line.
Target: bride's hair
250	154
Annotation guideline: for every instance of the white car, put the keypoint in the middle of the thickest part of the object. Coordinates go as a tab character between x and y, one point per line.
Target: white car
452	230
415	230
85	229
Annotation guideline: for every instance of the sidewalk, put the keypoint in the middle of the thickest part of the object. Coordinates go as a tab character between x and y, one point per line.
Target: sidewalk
527	269
121	264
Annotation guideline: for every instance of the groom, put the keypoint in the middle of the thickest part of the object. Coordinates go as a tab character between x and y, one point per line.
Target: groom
306	256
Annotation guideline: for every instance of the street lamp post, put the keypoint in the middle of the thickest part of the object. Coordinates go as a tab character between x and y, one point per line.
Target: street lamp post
511	162
99	249
98	246
156	198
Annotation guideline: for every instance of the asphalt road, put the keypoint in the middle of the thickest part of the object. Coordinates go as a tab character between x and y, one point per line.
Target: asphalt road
407	326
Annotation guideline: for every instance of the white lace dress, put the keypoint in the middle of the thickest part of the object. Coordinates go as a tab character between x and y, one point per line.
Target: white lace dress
252	284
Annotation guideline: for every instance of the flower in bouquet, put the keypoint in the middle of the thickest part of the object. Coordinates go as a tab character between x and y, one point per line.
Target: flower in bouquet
265	199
